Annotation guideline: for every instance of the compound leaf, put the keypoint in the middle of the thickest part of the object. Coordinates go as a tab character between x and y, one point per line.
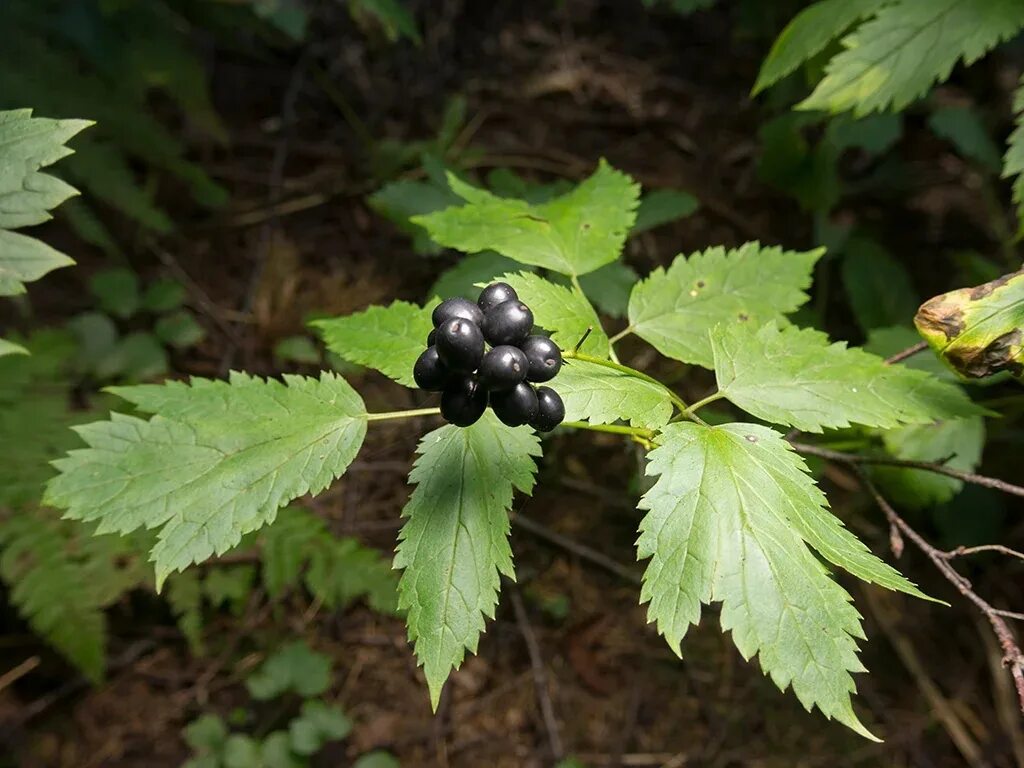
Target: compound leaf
732	518
387	339
808	33
563	311
294	667
978	331
674	309
573	234
894	58
794	376
603	395
1013	160
454	544
216	460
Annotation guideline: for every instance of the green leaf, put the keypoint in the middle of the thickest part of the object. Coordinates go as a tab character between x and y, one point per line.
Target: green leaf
181	330
563	311
674	309
978	331
377	759
392	15
241	751
316	725
965	130
207	733
878	286
116	291
388	339
461	279
297	349
10	348
1013	160
732	518
275	752
609	287
809	33
163	296
216	460
956	443
341	570
454	544
295	667
27	144
136	357
602	395
794	376
894	58
400	201
184	594
23	260
572	234
663	206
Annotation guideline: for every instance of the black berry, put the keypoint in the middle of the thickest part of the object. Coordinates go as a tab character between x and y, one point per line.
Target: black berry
431	337
508	323
515	406
460	345
550	410
495	294
503	367
450	309
430	373
544	357
463	401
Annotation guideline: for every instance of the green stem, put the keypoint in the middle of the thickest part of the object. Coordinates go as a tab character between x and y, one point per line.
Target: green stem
615	429
573	355
701	403
621	334
403	414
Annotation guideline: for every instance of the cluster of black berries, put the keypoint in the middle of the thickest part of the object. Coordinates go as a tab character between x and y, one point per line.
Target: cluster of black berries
483	352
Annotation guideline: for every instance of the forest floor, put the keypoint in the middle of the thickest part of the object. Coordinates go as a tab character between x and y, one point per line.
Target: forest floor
548	94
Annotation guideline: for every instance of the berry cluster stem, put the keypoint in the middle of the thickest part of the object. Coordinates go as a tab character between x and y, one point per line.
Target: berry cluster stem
403	414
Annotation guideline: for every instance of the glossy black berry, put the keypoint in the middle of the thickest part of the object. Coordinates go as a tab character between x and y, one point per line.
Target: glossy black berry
450	309
544	357
503	367
463	401
550	410
432	337
495	294
460	345
515	406
508	323
430	373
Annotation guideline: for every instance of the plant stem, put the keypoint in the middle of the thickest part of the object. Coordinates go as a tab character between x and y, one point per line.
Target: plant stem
403	414
615	429
574	355
621	335
716	395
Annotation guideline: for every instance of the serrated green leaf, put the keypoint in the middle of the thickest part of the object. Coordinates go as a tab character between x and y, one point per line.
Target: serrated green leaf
663	206
184	594
563	311
794	376
978	331
732	518
400	201
27	144
287	544
894	58
24	259
878	287
295	667
387	339
956	443
1013	160
342	570
207	733
809	33
216	460
572	234
674	309
454	544
601	395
